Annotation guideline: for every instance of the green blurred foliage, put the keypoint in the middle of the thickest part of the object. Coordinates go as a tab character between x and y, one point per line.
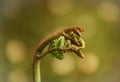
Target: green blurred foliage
23	23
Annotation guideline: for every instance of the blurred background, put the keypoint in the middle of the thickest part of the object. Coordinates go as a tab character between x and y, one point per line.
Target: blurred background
23	23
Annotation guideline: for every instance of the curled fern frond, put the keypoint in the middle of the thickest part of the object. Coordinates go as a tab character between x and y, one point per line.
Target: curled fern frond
58	43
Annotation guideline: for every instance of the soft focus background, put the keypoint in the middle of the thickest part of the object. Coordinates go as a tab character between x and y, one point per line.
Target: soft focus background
23	23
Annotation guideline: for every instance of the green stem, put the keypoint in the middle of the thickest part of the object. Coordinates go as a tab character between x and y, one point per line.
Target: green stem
37	70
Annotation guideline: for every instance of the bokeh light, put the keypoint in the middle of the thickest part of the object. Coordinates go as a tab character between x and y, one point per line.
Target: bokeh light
60	7
108	11
15	51
89	64
17	75
63	67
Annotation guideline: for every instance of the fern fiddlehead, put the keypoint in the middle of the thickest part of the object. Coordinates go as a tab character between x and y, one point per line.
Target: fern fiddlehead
58	43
